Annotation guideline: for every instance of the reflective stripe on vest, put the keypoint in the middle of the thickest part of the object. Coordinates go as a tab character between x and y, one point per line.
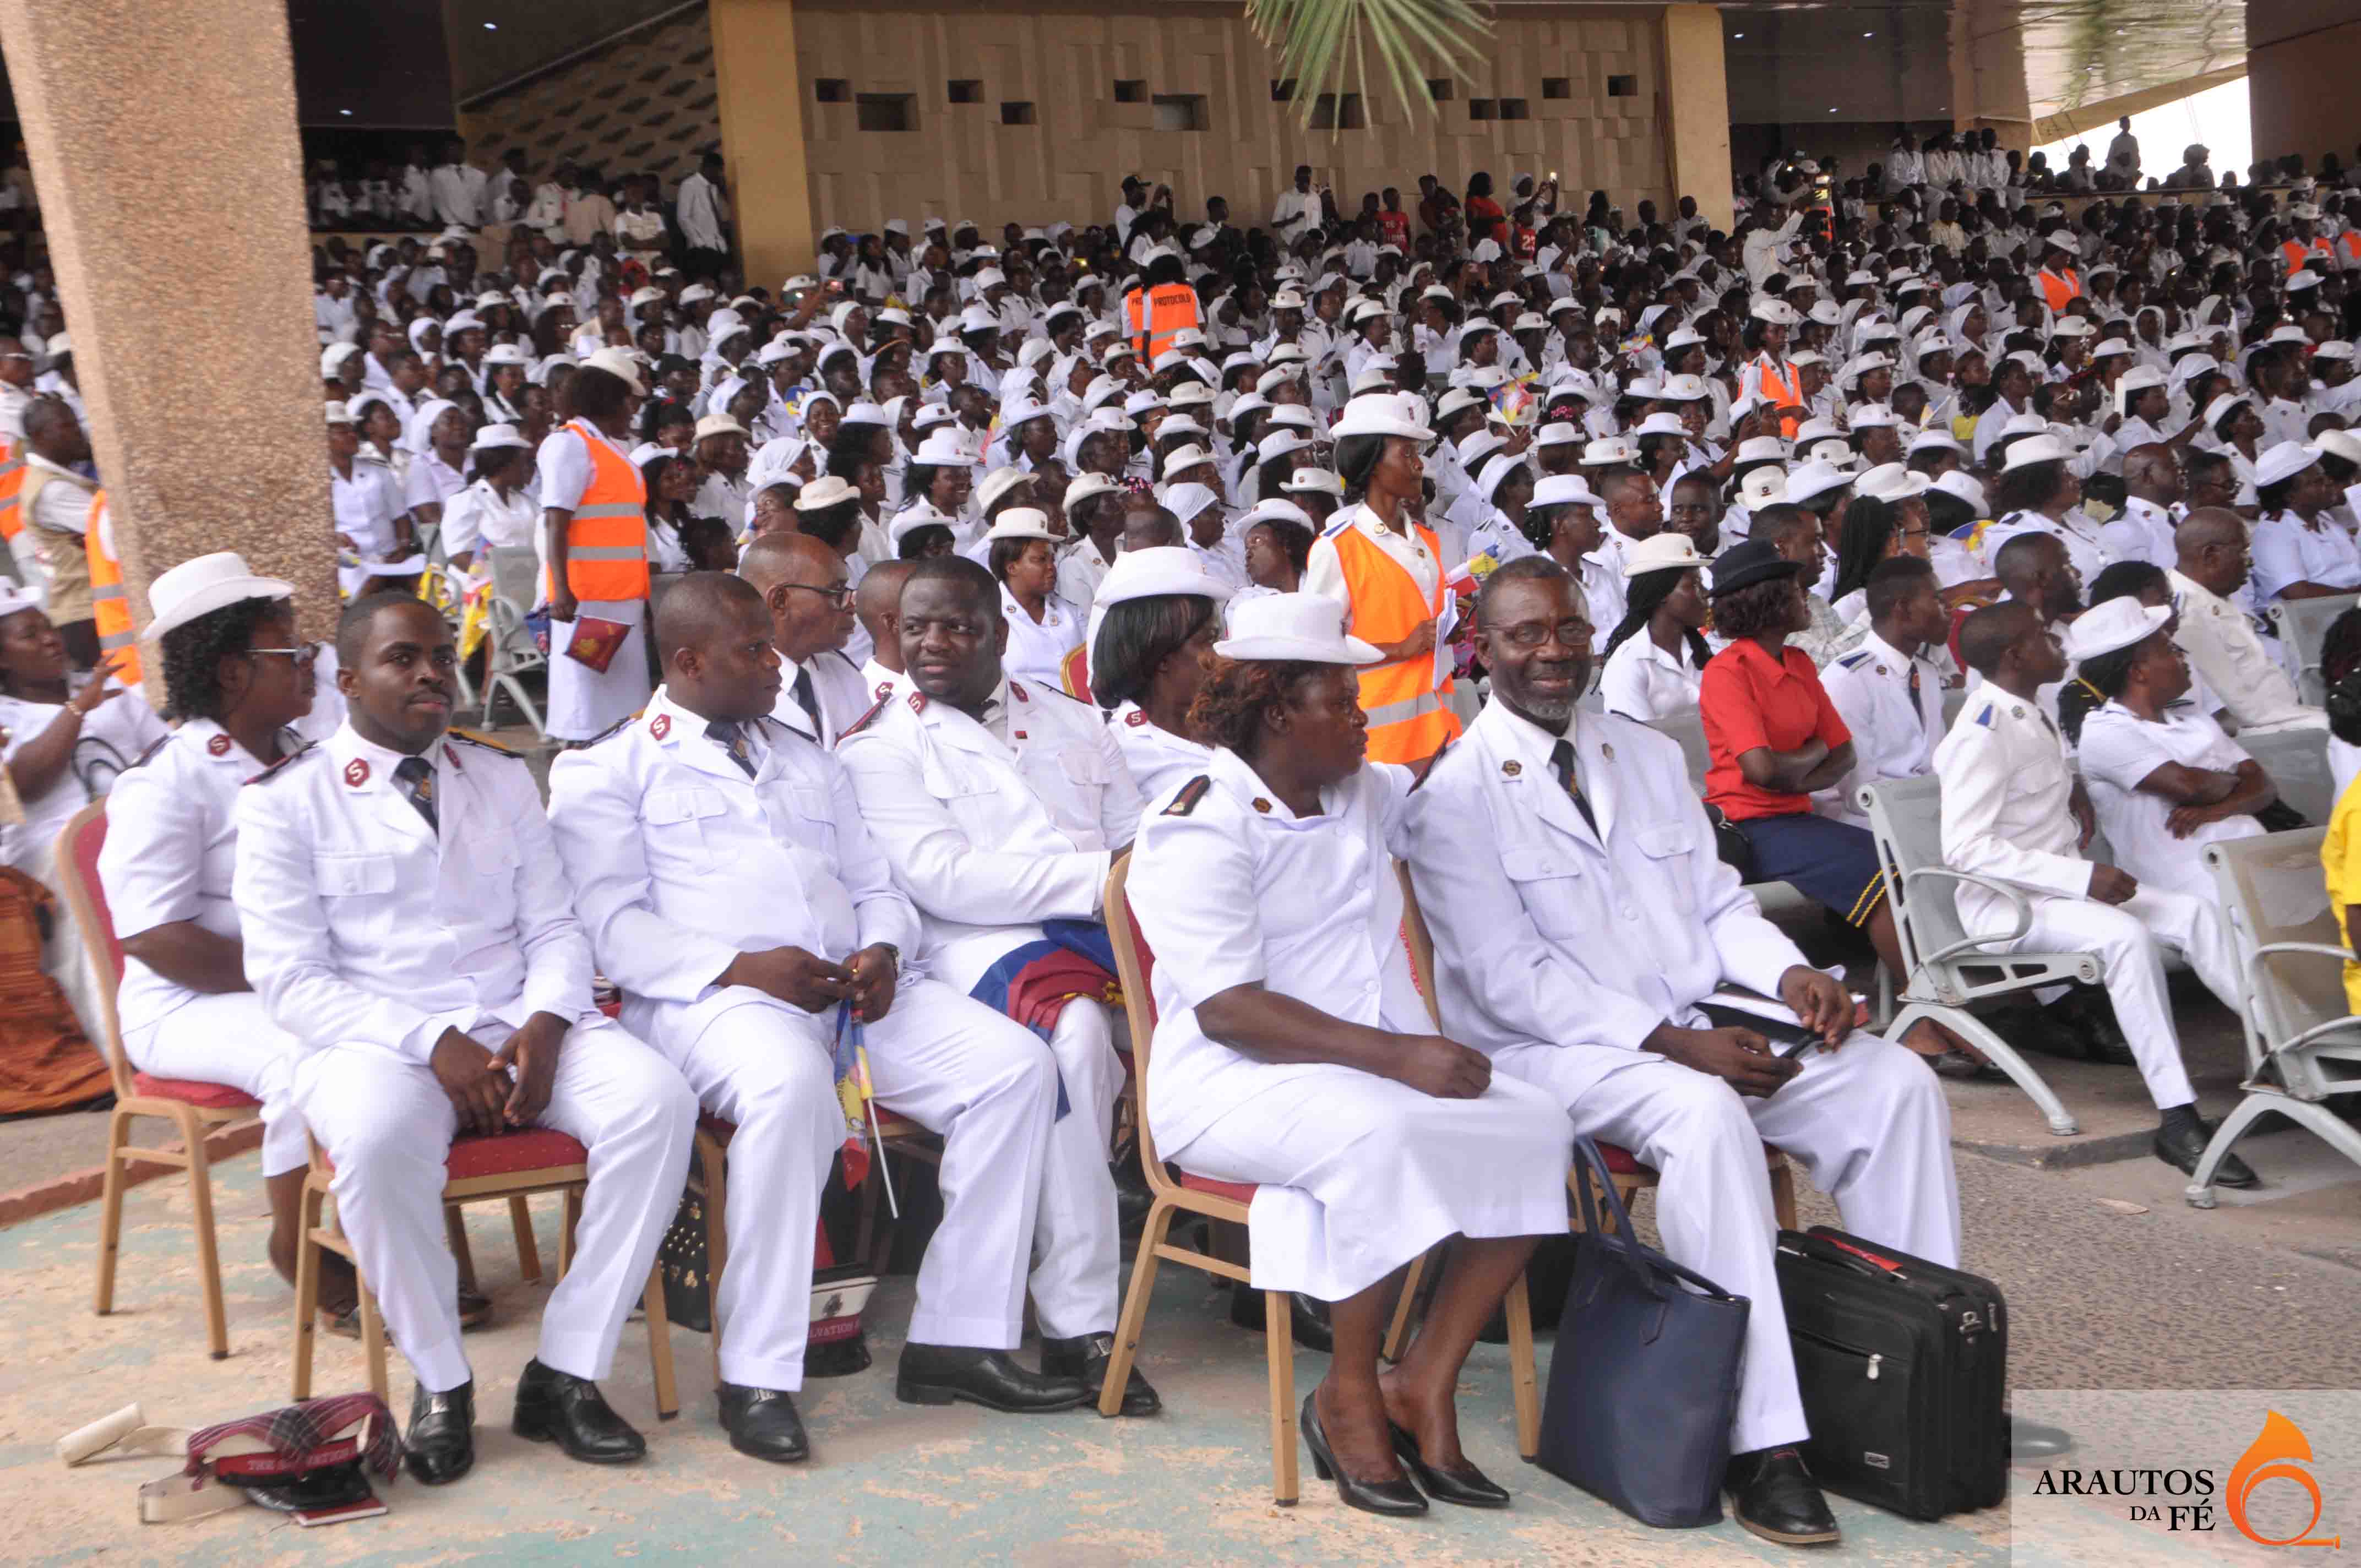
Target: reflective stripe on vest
12	484
1169	308
1781	392
606	541
1401	700
110	605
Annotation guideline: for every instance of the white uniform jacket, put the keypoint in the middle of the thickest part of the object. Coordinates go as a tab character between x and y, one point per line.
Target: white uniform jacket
2007	794
361	930
1894	734
837	684
1159	760
1547	932
681	862
989	838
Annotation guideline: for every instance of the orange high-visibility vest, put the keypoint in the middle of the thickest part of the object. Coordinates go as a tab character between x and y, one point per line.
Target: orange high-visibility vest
2057	289
1782	389
1157	313
12	484
607	542
2297	252
110	604
1401	700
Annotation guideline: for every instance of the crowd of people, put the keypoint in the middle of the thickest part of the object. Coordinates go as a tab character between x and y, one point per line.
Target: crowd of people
886	610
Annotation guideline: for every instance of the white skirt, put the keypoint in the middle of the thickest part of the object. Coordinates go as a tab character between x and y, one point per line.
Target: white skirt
1358	1174
584	702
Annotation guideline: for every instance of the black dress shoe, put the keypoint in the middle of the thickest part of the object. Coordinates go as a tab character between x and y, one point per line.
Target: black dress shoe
1085	1359
763	1423
2084	1021
2182	1143
1132	1198
938	1374
1305	1318
555	1406
1773	1496
1468	1486
1396	1498
2031	1440
440	1442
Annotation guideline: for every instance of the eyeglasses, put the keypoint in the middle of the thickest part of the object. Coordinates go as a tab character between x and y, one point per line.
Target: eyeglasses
300	655
838	597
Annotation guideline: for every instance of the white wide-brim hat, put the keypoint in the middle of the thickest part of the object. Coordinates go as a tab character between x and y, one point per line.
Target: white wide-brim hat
205	584
1155	571
1309	628
2115	625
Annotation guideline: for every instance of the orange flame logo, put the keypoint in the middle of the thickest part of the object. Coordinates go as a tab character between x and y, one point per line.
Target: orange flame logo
2279	1453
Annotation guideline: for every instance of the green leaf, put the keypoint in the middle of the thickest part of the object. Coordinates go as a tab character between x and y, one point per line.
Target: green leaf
1313	39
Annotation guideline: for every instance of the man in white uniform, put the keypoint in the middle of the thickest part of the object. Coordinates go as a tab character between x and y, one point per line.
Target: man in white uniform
1576	950
2215	560
1001	807
2013	810
405	915
1889	693
732	891
803	584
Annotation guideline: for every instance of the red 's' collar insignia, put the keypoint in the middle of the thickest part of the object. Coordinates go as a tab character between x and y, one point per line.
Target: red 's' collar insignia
356	772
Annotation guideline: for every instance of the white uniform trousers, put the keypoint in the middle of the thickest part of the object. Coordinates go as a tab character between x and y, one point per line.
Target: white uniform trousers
584	702
1075	1240
766	1066
2124	939
230	1040
388	1126
986	1084
1868	1124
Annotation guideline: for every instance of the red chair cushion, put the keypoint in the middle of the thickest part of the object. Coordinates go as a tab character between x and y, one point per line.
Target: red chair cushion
86	846
890	1124
1620	1161
188	1091
1239	1191
716	1128
535	1148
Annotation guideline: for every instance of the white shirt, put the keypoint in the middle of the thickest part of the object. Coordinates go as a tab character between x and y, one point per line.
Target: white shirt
837	686
1161	762
1642	682
2142	531
680	862
456	191
2006	789
2226	652
2119	749
1294	202
1326	572
367	505
1235	889
1081	570
476	519
699	209
361	930
1036	650
171	849
2083	546
431	481
1894	733
992	826
2287	549
114	736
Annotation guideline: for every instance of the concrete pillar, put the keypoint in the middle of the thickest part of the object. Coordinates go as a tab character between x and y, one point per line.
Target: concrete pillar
175	217
1988	85
2301	60
761	82
1697	98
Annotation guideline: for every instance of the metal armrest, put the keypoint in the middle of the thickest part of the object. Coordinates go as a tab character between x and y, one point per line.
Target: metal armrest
2256	966
2015	897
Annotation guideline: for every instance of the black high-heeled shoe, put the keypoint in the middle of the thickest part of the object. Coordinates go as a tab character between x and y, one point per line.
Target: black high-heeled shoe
1398	1498
1469	1488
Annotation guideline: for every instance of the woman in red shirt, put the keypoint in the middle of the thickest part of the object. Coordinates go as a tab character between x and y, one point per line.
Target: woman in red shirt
1485	217
1773	737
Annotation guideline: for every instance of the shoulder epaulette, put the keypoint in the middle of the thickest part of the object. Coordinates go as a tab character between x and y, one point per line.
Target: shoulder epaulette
1984	718
1338	527
1190	793
1852	661
465	738
1420	782
607	734
862	723
152	749
278	767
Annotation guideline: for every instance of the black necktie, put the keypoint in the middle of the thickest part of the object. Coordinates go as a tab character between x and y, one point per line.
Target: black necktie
416	777
1561	765
725	733
807	699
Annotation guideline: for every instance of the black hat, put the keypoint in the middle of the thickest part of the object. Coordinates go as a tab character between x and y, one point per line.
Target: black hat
1749	562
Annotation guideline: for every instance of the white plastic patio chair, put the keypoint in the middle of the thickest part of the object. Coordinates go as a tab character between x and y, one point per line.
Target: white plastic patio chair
2303	626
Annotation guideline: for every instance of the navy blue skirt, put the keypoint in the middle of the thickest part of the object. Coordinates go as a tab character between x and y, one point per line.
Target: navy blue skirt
1834	862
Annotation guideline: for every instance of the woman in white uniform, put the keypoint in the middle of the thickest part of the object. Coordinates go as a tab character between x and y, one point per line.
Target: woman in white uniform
598	403
1293	1051
1043	630
2164	782
1656	657
64	743
493	513
236	677
1158	612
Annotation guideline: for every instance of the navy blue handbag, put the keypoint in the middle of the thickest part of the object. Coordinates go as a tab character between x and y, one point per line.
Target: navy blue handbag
1643	1383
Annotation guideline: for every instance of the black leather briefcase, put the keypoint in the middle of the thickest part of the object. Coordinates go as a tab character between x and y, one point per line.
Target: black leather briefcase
1904	1368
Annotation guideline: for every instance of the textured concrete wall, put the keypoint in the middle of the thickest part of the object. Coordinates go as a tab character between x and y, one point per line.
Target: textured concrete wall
762	122
647	104
2302	97
1697	95
162	133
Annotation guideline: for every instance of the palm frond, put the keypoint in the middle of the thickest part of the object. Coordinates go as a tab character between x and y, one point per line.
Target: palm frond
1325	44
